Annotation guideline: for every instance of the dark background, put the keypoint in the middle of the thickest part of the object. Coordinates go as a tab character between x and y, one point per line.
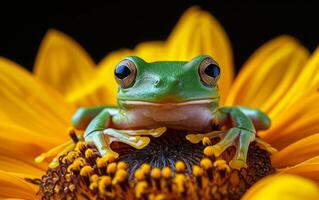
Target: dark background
101	28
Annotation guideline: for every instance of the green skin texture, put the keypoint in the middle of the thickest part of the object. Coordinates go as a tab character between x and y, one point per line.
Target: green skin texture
172	81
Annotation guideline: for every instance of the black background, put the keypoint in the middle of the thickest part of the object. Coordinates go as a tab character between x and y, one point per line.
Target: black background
101	28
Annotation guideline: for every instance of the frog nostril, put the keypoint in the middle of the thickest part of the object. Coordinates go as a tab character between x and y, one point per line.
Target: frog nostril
156	82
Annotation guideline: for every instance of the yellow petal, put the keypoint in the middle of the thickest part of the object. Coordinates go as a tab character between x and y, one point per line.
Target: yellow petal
297	152
151	51
28	103
63	64
13	165
305	84
20	146
296	114
13	199
284	187
308	169
300	121
268	74
14	187
15	133
240	85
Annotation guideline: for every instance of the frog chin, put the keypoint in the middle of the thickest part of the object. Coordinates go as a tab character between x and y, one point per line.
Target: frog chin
195	114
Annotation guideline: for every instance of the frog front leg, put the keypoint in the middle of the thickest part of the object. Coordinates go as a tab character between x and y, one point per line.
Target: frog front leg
100	133
244	122
83	116
242	134
260	119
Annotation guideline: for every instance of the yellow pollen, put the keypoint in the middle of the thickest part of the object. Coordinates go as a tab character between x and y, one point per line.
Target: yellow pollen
140	189
120	176
94	178
221	165
86	171
64	160
104	182
206	163
146	168
93	186
89	153
179	181
139	175
111	168
80	145
160	197
101	162
167	172
197	171
80	161
73	167
180	167
156	173
121	165
209	151
72	155
77	165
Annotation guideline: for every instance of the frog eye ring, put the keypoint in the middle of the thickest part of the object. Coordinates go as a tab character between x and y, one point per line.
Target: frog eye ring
209	72
125	73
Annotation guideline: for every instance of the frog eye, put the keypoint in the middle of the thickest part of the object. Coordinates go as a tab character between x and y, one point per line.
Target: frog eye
209	72
125	73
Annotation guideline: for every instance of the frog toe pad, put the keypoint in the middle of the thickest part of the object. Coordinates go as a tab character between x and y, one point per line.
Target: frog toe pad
239	137
238	164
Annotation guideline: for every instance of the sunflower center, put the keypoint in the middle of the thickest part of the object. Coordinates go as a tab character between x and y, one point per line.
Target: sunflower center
170	167
162	151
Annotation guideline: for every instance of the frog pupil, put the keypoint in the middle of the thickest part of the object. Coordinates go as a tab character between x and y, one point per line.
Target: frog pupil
212	70
122	71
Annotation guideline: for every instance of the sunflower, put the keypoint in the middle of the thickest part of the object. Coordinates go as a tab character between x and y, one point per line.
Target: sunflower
280	78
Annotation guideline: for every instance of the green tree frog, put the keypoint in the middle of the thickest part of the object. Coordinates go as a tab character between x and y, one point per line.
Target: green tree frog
170	94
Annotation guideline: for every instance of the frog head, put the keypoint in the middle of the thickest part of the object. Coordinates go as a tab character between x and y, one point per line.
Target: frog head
162	82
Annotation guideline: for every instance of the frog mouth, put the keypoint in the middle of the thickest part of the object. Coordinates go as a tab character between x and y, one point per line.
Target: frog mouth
169	103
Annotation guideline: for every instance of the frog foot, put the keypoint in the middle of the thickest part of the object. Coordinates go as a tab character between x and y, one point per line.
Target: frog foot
196	138
240	137
134	138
